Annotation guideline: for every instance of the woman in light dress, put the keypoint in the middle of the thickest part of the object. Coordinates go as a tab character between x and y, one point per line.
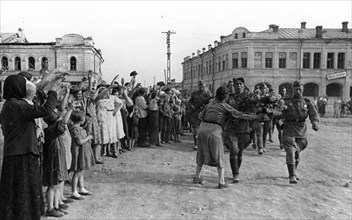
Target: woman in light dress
107	122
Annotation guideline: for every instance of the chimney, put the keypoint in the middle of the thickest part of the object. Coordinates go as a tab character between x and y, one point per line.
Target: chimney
203	49
303	25
319	31
216	43
209	47
276	28
272	26
344	26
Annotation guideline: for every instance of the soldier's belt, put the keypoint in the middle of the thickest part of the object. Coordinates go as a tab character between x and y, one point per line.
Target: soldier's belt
297	120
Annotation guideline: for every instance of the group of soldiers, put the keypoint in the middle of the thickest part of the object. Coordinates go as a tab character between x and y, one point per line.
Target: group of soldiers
236	132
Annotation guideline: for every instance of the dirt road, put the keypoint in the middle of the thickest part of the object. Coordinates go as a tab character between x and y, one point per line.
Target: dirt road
156	183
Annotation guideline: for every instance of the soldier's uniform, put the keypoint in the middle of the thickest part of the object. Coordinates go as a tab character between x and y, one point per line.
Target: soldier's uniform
236	135
197	102
295	129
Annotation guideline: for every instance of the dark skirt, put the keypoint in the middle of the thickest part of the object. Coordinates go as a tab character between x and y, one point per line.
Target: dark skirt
124	115
21	194
133	127
143	132
153	125
55	167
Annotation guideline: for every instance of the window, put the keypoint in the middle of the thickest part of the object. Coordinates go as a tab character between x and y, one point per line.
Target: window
258	60
269	60
31	63
4	63
306	60
316	61
45	63
330	61
234	60
210	67
17	64
223	63
244	60
282	60
219	64
236	36
206	67
243	35
340	60
73	64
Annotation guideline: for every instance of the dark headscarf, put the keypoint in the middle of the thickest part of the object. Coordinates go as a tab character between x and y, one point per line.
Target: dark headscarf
15	87
28	75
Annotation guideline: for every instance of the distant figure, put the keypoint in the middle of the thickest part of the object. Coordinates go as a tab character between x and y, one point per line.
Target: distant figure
337	107
343	109
322	102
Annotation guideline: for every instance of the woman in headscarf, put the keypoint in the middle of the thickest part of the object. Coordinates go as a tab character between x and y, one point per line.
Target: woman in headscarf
21	185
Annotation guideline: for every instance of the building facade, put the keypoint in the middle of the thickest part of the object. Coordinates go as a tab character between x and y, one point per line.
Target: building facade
320	58
72	52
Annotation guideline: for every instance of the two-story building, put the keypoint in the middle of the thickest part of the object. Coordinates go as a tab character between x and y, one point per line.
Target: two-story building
321	58
72	51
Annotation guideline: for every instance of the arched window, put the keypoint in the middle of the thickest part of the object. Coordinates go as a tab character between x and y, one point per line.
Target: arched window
236	36
17	64
4	63
311	89
334	89
31	63
45	63
243	35
73	64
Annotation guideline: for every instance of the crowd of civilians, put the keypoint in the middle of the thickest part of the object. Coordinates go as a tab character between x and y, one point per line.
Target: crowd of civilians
54	131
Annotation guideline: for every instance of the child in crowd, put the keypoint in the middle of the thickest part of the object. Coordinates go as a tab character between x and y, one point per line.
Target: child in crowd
177	120
166	110
82	155
132	121
55	167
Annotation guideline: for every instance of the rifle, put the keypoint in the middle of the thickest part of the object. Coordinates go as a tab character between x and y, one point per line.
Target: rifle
201	105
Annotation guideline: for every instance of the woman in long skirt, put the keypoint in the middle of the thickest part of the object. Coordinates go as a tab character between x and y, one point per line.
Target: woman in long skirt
21	194
210	144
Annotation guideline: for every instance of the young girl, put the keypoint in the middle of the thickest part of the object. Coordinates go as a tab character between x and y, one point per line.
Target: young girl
55	168
132	121
82	155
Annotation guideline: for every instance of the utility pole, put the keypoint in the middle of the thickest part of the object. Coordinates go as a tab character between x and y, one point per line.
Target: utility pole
168	72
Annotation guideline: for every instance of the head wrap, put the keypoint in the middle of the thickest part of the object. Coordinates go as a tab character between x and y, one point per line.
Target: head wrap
27	75
15	87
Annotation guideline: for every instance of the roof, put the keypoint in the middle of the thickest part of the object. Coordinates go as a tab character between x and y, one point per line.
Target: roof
11	38
309	33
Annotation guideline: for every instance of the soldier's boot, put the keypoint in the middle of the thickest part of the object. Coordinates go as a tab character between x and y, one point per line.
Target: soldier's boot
235	169
297	162
292	174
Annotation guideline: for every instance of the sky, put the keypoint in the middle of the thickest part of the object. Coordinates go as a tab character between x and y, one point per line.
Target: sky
129	33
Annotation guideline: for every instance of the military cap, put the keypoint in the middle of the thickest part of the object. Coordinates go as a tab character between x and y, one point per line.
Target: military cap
201	83
240	79
133	73
296	84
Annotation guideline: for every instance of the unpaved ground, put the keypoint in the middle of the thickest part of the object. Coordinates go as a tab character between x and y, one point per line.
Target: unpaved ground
156	183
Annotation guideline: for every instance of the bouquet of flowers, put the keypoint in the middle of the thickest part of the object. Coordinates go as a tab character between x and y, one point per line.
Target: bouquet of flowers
255	103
